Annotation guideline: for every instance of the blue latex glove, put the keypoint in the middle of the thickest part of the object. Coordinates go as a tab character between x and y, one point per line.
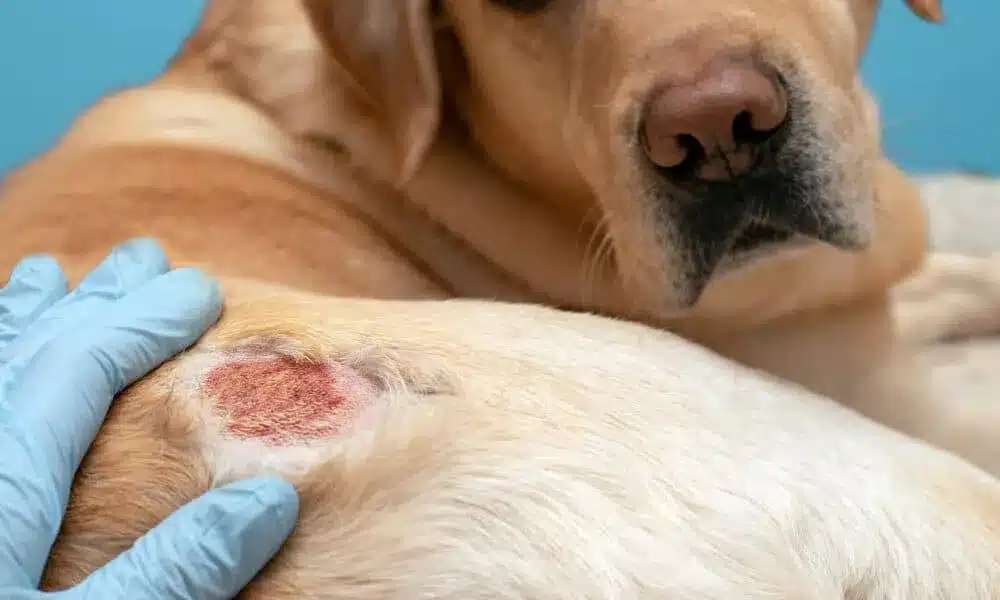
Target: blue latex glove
63	357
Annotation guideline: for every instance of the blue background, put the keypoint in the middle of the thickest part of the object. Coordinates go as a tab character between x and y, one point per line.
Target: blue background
939	87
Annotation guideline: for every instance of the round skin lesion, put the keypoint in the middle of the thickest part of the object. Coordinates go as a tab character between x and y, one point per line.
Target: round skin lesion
280	403
284	400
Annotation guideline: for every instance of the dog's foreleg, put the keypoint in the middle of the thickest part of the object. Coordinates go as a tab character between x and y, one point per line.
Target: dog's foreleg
951	296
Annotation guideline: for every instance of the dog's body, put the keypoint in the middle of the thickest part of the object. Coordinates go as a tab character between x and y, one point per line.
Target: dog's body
258	156
520	452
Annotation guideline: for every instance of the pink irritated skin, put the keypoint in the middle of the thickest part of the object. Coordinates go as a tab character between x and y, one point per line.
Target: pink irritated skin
286	401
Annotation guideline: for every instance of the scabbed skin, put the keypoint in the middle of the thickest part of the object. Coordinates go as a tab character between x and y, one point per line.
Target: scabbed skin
283	401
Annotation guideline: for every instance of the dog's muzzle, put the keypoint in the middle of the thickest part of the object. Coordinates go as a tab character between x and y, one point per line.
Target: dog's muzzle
733	182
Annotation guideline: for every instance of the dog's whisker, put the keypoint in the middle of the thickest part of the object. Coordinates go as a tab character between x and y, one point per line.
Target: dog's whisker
603	260
594	250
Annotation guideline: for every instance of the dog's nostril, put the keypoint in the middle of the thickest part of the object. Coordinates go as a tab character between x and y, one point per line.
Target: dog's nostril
746	132
733	108
694	153
683	153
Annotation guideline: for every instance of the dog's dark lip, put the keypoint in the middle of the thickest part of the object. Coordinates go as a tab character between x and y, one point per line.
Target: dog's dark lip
756	243
760	241
757	235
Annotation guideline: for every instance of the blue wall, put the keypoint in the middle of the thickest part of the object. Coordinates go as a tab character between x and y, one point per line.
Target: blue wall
59	56
939	86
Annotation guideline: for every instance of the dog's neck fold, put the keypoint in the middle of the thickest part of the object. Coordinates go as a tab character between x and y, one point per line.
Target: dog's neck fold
546	254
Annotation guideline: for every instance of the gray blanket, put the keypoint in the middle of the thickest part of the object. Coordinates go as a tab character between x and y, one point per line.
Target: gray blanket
964	216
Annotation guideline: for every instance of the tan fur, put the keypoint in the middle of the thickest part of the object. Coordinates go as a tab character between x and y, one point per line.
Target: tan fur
270	151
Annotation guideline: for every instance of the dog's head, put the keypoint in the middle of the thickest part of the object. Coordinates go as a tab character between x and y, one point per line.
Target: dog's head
706	136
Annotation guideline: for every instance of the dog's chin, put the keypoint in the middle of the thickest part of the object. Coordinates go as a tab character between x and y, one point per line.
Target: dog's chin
753	244
758	243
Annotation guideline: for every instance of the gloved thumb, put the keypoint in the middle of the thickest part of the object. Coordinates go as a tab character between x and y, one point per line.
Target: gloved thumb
209	549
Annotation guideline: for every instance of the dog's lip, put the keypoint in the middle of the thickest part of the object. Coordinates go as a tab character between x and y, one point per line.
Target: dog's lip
743	249
747	249
759	233
760	240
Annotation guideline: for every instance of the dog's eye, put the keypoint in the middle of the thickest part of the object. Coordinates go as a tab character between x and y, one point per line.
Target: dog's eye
525	7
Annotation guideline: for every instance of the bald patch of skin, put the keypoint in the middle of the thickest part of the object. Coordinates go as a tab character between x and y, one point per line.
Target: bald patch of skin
286	401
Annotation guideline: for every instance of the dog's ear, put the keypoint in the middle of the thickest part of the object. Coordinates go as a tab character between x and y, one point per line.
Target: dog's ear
928	10
387	47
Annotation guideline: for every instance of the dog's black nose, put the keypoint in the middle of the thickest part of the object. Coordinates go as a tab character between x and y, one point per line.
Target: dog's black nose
716	126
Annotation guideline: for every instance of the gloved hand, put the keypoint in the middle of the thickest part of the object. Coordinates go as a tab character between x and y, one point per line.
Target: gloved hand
63	357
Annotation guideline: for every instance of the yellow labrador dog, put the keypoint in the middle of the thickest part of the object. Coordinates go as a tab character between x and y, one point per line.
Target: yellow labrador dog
711	169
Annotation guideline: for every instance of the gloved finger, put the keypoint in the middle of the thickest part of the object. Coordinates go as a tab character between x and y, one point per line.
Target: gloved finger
59	416
29	511
137	334
210	549
127	267
141	331
35	284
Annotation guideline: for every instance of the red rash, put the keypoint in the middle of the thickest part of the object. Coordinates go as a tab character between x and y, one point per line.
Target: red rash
282	401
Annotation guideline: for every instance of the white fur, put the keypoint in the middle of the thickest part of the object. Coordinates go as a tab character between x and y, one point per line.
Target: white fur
598	459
